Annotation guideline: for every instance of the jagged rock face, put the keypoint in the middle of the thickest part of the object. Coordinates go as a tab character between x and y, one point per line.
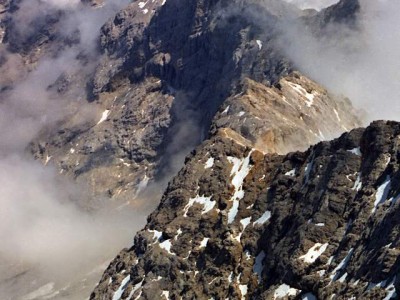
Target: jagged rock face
192	55
237	224
290	116
172	54
116	153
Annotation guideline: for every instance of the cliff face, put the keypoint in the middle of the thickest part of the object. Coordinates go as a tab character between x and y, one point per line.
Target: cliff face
239	224
242	219
165	70
289	116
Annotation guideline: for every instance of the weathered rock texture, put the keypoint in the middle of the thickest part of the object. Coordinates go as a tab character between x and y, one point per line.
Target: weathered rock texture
238	224
289	116
166	69
169	74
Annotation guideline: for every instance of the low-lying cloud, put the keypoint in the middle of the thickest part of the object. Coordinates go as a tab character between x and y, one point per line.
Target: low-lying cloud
362	63
46	227
313	4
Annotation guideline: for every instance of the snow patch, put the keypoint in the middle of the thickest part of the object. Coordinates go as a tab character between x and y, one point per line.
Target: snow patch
285	290
343	278
243	290
300	90
337	115
165	294
240	169
104	116
391	290
245	222
135	288
118	293
291	173
166	245
358	184
157	234
209	163
355	151
204	242
178	233
308	296
260	44
47	160
382	193
264	218
240	114
226	110
233	211
142	4
314	252
343	264
205	201
388	286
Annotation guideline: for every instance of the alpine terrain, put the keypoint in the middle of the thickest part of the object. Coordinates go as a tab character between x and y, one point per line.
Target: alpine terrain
257	181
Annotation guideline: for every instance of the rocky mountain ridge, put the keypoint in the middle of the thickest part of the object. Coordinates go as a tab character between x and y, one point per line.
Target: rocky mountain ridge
166	68
242	219
239	224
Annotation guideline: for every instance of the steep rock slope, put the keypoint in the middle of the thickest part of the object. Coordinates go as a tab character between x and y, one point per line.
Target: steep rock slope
160	69
238	224
292	115
170	65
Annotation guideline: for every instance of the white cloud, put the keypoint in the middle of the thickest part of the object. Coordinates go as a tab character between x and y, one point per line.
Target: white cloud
362	64
315	4
62	3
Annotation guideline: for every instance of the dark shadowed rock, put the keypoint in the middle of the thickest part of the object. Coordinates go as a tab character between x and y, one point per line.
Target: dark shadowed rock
238	224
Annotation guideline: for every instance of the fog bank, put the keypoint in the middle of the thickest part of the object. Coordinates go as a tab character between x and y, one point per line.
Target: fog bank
362	64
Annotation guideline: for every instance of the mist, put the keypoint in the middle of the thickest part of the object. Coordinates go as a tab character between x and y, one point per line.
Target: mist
48	234
312	4
361	63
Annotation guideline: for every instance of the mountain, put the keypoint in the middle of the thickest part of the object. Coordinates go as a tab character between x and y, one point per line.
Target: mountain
164	71
240	221
261	209
236	223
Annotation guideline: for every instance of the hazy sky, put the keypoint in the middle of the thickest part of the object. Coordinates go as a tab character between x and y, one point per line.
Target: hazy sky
361	64
41	227
316	4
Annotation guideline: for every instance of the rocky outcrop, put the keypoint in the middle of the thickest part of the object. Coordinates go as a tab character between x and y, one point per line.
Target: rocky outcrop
292	115
190	61
115	153
238	224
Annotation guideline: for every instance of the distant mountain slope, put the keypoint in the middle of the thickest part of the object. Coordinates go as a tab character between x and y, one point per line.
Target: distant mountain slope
166	68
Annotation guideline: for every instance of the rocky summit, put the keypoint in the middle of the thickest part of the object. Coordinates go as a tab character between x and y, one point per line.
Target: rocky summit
285	195
239	224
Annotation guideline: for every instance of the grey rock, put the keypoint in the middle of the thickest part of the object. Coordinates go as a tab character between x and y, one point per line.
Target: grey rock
309	221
